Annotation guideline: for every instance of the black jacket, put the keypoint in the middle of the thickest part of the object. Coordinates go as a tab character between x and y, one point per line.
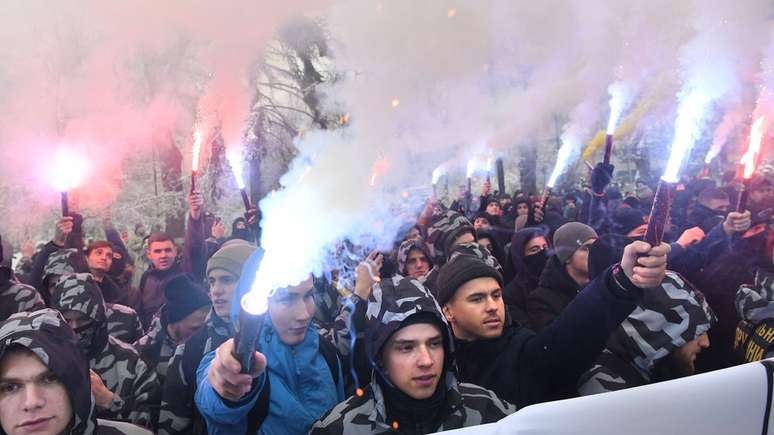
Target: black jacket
554	293
523	367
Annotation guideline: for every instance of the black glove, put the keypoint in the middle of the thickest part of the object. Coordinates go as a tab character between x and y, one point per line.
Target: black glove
601	176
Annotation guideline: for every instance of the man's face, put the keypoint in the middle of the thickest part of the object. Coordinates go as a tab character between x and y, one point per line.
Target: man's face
467	237
181	331
505	202
762	195
413	359
162	254
683	358
480	222
291	309
477	310
522	209
100	259
720	206
535	245
32	399
222	287
493	208
417	264
578	266
76	319
240	225
486	243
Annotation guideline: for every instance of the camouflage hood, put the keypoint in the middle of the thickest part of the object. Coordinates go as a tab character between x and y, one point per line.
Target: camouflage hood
61	262
444	229
666	318
79	292
46	334
392	302
756	303
406	247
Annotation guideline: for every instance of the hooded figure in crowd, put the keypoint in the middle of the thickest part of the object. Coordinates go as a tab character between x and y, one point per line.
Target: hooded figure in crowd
39	348
127	387
15	297
447	230
658	342
527	257
184	314
754	339
414	388
178	413
123	322
414	259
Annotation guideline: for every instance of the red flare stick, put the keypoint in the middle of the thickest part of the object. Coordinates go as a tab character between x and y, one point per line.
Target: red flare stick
659	213
65	207
544	199
193	181
608	148
741	200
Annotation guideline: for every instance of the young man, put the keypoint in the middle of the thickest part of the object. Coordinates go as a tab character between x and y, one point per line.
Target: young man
414	389
45	385
523	367
565	274
162	254
659	341
294	383
182	316
124	386
178	413
413	259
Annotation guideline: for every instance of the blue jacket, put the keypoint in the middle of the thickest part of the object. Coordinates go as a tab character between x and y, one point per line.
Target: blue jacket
302	389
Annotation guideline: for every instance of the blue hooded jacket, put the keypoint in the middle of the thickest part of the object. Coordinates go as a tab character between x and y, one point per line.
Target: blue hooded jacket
302	386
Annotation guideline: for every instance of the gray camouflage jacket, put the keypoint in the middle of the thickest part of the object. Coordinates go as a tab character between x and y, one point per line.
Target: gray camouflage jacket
16	297
123	323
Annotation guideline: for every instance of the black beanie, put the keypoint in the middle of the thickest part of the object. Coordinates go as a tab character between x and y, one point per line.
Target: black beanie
626	219
183	298
460	270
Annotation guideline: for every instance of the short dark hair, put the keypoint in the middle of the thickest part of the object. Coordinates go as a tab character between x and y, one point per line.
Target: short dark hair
159	236
98	244
712	193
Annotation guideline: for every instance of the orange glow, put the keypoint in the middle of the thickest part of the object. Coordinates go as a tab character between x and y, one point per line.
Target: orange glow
395	103
452	12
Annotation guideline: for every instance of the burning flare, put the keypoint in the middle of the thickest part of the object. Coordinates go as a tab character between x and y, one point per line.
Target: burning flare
438	173
197	146
750	158
563	160
689	118
235	161
68	171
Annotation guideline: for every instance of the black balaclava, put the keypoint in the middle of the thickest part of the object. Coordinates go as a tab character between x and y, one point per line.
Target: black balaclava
241	233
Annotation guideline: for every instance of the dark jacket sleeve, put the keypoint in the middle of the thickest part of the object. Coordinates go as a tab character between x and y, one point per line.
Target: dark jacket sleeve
540	311
690	260
36	274
599	218
556	357
195	250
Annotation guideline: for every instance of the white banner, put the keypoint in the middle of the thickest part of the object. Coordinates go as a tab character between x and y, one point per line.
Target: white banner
724	402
